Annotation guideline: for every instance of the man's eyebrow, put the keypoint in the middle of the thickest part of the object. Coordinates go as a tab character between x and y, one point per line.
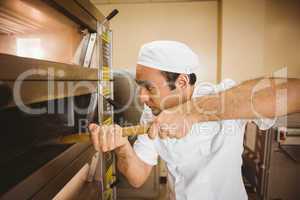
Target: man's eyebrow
142	82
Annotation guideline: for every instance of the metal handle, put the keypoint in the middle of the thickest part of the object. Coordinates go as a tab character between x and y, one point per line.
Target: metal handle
112	14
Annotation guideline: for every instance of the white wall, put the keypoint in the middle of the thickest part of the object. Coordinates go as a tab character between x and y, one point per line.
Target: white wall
260	37
194	23
243	39
282	37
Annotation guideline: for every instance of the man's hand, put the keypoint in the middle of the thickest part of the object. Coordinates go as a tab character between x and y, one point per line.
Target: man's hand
177	122
107	138
172	123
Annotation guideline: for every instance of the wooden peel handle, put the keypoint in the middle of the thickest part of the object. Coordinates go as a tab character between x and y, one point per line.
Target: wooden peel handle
135	130
85	137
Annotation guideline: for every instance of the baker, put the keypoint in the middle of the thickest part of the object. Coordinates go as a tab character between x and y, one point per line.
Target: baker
202	148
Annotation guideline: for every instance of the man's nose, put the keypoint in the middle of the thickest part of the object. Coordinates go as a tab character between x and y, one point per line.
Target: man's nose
144	95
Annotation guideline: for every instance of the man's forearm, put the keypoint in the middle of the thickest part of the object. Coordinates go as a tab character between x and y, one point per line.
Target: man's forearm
131	166
252	99
260	98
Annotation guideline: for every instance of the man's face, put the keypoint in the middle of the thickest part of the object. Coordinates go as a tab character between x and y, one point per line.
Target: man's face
154	89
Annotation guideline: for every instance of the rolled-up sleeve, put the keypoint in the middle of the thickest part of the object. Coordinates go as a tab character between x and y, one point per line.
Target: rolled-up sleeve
145	149
264	123
144	146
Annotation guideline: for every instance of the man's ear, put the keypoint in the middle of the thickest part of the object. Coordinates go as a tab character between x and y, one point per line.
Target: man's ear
182	81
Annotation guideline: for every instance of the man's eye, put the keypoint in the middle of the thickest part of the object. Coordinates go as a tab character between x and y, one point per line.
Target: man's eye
149	88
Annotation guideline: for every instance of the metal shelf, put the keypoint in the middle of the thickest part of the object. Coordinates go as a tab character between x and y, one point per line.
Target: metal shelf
49	179
82	12
11	67
37	91
91	9
49	80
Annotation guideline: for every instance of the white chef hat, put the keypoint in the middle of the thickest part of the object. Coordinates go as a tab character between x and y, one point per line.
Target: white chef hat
170	56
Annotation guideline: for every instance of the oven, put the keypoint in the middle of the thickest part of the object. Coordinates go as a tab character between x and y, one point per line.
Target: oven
55	78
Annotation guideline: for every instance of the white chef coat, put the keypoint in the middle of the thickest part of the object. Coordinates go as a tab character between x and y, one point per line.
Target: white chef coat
206	163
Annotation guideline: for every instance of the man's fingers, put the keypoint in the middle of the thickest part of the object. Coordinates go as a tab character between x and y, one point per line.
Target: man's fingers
118	132
118	135
110	138
153	131
102	138
106	138
165	131
172	134
94	130
163	134
92	127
